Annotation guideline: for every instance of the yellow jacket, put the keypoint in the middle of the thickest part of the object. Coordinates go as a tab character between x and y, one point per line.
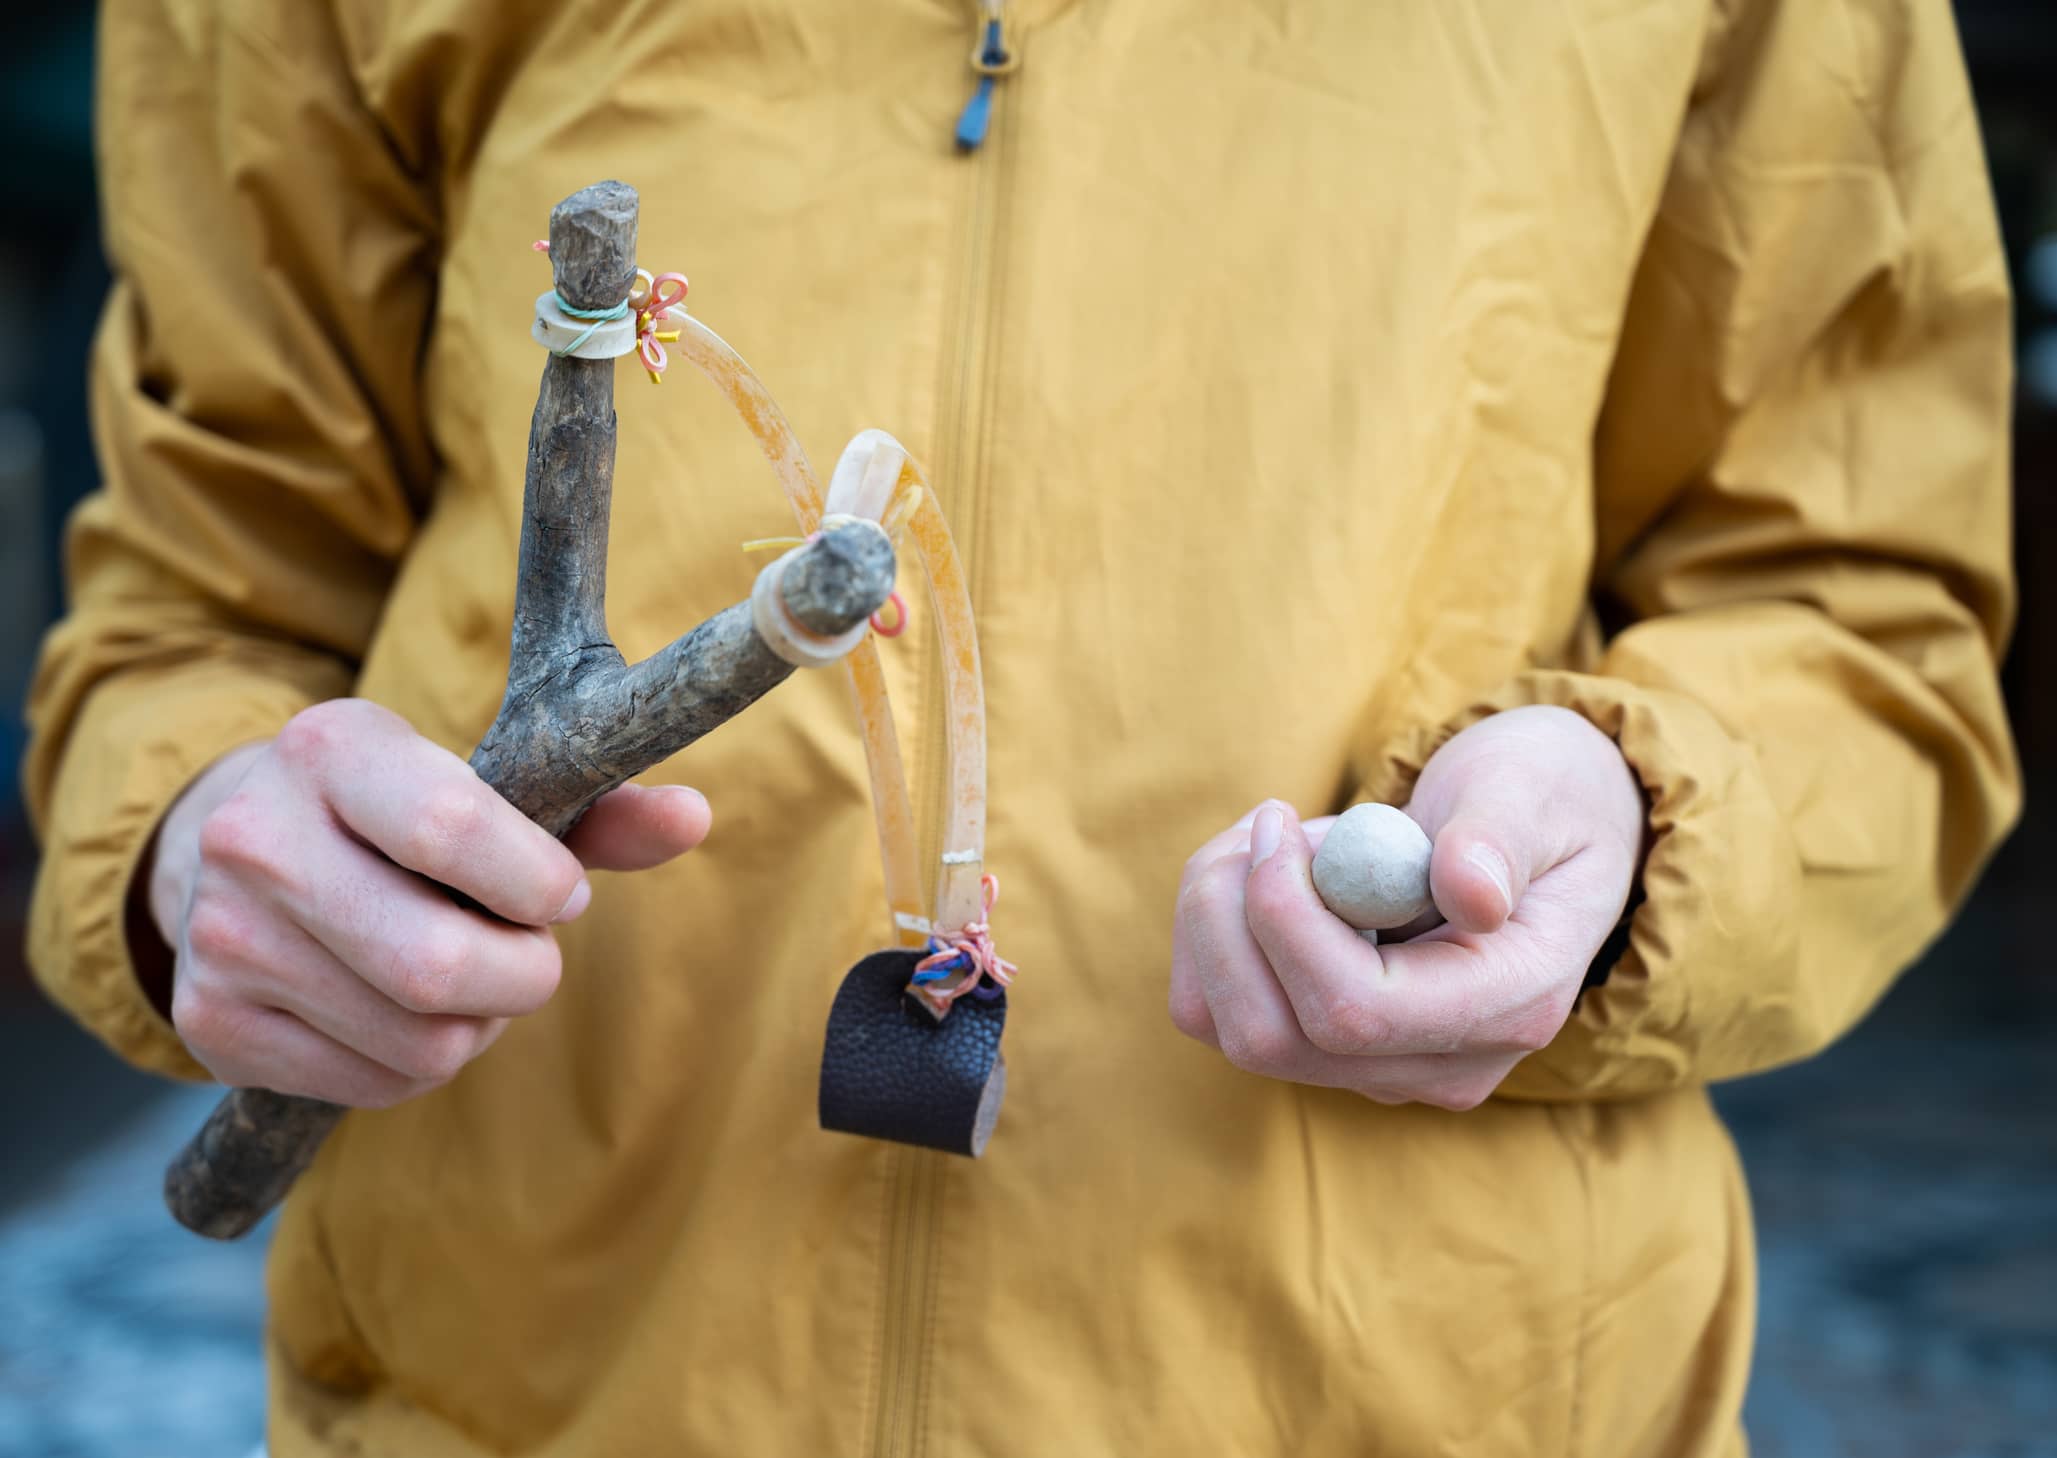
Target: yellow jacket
1303	380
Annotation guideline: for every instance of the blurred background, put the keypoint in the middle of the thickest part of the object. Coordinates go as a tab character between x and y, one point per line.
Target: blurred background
1906	1181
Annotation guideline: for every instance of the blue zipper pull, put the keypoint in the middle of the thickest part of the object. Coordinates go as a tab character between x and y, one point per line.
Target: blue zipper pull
976	116
991	58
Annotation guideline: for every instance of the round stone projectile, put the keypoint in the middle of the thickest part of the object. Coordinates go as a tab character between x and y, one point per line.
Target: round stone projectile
1372	870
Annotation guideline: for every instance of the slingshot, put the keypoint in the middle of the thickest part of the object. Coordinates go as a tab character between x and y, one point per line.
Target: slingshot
913	1039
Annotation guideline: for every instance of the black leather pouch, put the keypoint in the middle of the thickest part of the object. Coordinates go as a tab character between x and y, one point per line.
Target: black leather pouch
892	1071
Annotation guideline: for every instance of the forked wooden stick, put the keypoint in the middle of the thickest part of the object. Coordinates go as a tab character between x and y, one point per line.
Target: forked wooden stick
577	719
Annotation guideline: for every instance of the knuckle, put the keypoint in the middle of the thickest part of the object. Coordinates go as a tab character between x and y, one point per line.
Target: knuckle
1204	910
1271	899
1189	1014
1533	1028
426	972
1264	894
1222	880
1196	890
1256	1050
213	1029
220	933
1198	864
237	833
448	819
436	1051
311	735
1348	1025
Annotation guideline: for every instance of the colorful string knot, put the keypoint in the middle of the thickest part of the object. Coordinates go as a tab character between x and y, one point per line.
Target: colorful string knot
653	306
652	301
968	949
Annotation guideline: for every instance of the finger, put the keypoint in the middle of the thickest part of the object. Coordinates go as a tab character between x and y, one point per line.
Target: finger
1446	993
1233	840
413	944
261	1047
427	1049
1429	920
636	827
1506	993
254	955
1451	1081
1316	829
1252	1019
427	810
1256	1026
1344	992
1186	1000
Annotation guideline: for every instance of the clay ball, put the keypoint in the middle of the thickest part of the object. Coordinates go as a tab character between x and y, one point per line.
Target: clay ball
1372	870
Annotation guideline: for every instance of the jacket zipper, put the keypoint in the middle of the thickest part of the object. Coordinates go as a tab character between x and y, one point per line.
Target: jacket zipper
916	1176
992	56
910	1272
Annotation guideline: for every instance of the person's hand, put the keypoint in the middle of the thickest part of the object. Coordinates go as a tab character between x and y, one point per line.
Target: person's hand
1537	823
299	885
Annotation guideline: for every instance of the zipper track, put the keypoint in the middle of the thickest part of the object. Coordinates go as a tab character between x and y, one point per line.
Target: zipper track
965	402
912	1208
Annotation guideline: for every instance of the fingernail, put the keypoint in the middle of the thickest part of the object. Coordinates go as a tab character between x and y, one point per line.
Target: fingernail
576	902
1490	864
1250	815
684	790
1265	831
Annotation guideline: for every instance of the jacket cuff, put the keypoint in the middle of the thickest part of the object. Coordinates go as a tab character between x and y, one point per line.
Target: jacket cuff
138	741
1704	985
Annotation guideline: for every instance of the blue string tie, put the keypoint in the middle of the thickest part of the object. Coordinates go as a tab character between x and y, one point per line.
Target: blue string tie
598	316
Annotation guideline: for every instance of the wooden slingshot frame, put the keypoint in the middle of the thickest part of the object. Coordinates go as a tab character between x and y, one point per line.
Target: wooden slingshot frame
578	720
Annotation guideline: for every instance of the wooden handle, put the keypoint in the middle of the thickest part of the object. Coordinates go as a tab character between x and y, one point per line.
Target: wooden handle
244	1159
577	719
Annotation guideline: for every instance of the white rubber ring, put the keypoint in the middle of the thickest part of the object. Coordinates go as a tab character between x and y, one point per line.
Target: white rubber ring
787	638
554	330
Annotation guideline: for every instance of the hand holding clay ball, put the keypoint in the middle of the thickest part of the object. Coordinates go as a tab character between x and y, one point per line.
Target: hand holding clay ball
1537	824
1372	870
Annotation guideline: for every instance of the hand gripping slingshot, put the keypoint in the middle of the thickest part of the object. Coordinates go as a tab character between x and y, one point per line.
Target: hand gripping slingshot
913	1039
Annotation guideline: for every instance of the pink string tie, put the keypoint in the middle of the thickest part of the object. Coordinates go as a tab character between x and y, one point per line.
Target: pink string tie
654	307
655	302
968	949
899	617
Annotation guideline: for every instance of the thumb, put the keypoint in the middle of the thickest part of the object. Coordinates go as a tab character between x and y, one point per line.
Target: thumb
1488	845
635	827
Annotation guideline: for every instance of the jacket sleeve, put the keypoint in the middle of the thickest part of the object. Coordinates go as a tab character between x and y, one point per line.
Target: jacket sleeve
1803	547
254	394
